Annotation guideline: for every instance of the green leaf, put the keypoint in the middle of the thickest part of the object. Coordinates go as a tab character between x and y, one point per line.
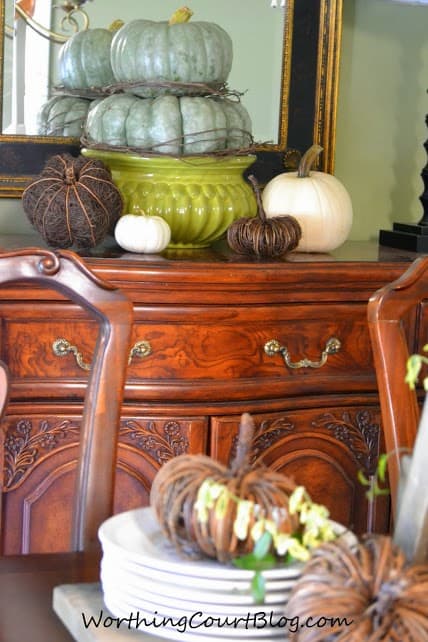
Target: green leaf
252	563
376	491
263	545
258	587
244	561
362	478
267	562
382	466
413	367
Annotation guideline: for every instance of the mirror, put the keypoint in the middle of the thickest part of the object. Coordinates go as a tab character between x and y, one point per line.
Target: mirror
285	64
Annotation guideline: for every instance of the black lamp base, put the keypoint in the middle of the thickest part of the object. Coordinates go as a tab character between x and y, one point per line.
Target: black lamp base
406	237
411	237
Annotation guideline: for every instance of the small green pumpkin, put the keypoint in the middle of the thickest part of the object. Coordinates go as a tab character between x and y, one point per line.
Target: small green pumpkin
169	124
183	52
84	60
63	116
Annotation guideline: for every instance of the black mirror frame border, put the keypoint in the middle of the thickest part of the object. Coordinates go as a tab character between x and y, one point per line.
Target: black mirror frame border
310	77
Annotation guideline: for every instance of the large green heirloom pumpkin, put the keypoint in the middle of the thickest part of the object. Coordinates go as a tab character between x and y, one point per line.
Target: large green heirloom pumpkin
183	52
63	116
169	124
84	60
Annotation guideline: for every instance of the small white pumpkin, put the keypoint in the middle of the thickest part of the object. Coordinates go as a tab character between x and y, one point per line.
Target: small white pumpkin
142	234
319	201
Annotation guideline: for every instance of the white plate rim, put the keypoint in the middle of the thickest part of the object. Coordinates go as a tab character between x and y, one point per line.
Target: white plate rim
122	523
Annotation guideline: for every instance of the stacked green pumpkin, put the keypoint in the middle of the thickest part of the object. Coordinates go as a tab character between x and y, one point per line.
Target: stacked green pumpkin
176	125
63	116
167	99
143	50
159	66
152	62
83	65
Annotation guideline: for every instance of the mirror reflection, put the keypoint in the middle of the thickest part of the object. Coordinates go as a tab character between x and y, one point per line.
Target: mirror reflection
33	42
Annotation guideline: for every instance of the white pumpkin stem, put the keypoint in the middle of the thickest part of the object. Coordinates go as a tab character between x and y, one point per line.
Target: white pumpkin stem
115	25
181	15
308	160
247	429
260	209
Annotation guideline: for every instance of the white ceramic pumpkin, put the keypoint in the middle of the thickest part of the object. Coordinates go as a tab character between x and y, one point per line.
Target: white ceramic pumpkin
142	234
319	201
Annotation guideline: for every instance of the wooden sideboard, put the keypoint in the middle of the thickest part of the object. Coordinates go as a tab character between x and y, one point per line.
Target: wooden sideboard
206	323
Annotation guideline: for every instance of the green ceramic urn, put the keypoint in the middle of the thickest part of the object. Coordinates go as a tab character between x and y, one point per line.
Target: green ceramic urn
199	196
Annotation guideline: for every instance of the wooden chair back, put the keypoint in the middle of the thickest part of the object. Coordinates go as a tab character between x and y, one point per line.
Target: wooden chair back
395	314
4	396
4	387
65	272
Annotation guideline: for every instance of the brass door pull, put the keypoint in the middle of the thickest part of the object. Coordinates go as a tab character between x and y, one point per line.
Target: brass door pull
63	347
273	347
140	349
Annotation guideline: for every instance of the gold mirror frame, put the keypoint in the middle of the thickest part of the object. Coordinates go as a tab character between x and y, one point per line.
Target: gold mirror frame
309	85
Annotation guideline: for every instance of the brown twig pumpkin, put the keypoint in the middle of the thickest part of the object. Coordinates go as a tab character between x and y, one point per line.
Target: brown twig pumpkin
73	202
175	491
384	598
262	236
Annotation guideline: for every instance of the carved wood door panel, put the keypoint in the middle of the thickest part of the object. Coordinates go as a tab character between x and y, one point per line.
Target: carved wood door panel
322	449
39	472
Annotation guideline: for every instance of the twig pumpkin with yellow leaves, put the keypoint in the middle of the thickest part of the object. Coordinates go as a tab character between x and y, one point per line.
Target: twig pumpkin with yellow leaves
207	509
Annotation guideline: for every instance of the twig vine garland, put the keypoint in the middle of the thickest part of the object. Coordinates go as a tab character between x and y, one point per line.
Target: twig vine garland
221	136
151	88
73	202
56	123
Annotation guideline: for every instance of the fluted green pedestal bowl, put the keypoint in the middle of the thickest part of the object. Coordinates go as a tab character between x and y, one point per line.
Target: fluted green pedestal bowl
199	196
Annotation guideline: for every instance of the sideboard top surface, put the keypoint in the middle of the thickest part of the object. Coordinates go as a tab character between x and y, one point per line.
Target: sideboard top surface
352	272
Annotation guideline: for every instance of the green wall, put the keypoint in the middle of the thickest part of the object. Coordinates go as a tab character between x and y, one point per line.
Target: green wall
381	114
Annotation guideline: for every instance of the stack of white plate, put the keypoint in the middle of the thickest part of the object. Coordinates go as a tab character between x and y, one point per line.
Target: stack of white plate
154	590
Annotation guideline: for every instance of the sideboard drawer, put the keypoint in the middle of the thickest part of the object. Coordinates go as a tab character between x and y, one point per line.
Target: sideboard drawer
29	331
47	349
214	352
29	348
209	353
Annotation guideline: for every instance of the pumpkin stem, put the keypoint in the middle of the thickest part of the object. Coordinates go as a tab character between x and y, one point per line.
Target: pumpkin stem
247	429
260	209
181	15
116	25
70	175
308	160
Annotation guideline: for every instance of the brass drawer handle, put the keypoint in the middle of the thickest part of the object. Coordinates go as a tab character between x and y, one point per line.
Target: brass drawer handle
273	347
140	349
63	347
